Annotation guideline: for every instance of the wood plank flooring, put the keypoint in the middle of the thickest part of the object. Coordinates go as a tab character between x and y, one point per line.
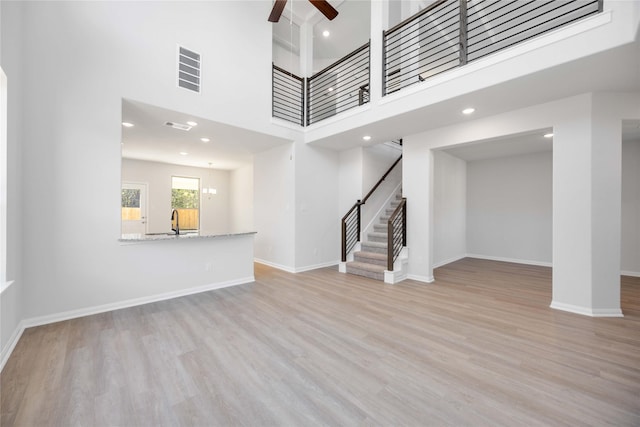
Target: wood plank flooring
478	347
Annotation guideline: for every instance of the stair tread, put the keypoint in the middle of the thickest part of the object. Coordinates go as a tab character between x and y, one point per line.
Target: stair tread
377	234
374	244
371	255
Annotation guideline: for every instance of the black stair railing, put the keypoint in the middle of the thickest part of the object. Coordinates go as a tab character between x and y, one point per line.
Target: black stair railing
287	96
396	233
351	222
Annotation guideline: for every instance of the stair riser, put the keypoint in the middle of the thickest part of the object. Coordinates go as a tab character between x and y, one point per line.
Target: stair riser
380	228
375	261
375	249
379	239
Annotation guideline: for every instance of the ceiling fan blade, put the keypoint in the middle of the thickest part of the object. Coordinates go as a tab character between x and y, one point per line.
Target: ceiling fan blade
276	12
326	9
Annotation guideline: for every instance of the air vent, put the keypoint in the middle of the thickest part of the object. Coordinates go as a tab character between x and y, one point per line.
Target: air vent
178	126
188	69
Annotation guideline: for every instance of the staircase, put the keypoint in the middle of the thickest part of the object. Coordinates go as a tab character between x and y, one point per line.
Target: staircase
371	260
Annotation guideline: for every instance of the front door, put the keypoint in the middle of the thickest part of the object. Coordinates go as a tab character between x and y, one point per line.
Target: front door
134	208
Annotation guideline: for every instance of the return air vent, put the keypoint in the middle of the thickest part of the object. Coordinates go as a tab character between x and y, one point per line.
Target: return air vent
188	69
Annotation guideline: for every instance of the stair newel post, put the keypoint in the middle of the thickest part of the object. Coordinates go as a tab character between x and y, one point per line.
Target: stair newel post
359	205
404	221
344	241
390	244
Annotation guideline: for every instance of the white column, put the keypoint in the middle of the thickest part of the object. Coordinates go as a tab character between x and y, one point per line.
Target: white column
306	49
586	210
417	187
378	23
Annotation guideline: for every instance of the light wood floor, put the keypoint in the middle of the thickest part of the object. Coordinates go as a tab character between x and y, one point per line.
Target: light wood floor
480	346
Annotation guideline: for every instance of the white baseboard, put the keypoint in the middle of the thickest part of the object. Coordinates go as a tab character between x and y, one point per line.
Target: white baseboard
72	314
296	269
11	344
418	278
513	260
630	273
316	266
274	265
587	311
449	261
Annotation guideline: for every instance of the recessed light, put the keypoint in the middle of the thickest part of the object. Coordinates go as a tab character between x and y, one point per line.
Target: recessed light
468	111
192	123
127	124
548	135
183	153
205	139
330	89
366	137
326	33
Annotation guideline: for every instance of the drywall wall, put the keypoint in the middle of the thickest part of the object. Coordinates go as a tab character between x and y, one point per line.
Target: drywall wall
350	179
214	209
449	208
509	208
273	206
71	147
630	253
241	199
12	308
317	223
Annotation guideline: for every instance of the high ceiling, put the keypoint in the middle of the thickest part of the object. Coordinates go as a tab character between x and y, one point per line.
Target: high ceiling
151	139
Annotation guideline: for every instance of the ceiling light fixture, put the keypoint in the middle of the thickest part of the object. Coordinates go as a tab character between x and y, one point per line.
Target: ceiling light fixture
366	137
205	139
178	126
326	33
192	123
468	111
184	153
548	135
127	124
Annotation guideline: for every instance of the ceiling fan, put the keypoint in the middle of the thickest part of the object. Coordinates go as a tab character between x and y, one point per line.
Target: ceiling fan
322	5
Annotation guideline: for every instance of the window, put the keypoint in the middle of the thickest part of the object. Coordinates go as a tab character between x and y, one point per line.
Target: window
185	198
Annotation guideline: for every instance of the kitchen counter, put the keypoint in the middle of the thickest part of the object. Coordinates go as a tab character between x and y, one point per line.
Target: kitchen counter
152	237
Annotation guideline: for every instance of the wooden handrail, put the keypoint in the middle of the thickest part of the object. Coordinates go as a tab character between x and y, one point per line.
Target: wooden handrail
341	60
380	180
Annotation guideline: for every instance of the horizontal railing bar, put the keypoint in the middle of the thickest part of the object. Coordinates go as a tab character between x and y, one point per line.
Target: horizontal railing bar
419	49
357	63
290	74
361	74
287	84
414	17
417	28
355	52
394	55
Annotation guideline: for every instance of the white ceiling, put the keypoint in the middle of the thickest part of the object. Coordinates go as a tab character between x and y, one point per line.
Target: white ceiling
513	145
150	139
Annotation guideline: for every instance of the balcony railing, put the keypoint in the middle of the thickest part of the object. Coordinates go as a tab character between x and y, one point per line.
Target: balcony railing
441	37
287	96
451	33
339	87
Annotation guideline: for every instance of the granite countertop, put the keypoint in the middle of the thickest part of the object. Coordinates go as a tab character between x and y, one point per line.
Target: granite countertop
151	237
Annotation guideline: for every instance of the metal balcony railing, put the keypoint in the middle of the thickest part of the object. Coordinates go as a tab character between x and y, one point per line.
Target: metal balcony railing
451	33
339	87
287	101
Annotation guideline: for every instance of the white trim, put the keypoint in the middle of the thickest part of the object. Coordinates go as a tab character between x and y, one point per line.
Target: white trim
5	285
274	265
419	278
72	314
513	260
316	266
449	261
630	273
587	311
295	270
11	344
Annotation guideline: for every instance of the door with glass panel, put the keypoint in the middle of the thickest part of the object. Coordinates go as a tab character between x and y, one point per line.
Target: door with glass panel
134	208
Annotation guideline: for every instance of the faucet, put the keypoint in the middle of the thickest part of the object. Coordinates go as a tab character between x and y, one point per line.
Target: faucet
174	214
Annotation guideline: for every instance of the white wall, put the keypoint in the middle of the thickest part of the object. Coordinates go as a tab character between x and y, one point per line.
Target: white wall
71	145
630	262
12	307
449	208
241	199
509	208
317	222
273	204
214	209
